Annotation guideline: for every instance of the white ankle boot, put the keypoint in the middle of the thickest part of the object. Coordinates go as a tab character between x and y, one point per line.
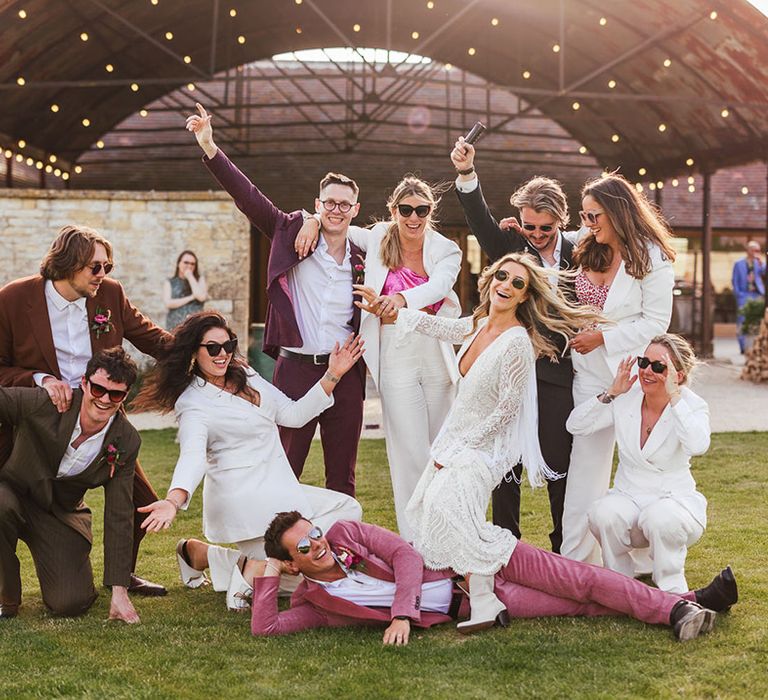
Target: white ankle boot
487	609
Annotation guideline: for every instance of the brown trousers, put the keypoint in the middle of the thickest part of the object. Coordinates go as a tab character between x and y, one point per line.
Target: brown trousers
61	556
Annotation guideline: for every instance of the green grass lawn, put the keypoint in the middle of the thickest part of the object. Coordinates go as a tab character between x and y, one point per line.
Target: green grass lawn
189	646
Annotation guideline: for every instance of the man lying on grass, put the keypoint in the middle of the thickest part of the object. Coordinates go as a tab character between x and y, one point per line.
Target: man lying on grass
361	574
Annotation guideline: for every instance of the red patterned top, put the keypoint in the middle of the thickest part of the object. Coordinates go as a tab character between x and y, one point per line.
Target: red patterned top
588	293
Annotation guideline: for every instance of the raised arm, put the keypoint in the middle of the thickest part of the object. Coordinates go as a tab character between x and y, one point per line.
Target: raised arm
492	239
264	215
454	330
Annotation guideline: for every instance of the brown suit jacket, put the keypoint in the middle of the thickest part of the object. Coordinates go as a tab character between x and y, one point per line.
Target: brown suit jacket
26	341
41	435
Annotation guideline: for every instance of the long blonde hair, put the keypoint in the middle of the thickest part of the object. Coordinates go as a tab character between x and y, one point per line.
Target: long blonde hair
637	224
544	306
410	186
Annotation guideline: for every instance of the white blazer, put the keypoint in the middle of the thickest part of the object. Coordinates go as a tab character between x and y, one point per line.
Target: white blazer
639	309
662	467
442	262
236	447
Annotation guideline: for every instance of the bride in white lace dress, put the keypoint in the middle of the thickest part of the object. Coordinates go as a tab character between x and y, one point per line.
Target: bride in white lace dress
493	422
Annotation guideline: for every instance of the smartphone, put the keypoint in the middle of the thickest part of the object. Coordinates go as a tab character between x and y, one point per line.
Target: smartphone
475	133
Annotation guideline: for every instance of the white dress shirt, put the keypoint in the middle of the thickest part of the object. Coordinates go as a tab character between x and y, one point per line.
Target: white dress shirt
321	290
71	336
76	461
361	589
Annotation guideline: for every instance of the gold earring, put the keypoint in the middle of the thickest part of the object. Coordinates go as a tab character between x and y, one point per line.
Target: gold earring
191	367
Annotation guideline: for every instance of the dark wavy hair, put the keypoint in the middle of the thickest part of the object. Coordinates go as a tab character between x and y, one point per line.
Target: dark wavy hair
174	369
273	545
116	362
71	251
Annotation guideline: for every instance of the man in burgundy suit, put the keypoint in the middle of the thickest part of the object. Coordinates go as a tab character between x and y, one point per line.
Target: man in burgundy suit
361	574
52	323
310	306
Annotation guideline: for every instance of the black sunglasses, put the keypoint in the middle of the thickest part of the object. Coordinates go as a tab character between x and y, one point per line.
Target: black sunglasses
590	217
214	349
331	204
115	395
96	268
656	365
503	276
304	545
422	211
546	228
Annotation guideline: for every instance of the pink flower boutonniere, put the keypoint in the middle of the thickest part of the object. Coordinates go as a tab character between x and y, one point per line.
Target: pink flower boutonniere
102	321
358	271
113	458
349	560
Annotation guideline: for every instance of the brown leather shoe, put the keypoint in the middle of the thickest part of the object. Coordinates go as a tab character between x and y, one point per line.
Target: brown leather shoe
8	611
140	586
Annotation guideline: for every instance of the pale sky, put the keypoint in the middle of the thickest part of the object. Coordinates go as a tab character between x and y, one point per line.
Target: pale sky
761	5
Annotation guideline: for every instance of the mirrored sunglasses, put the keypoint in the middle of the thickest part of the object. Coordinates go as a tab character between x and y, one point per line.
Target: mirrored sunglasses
422	211
590	217
503	276
214	349
304	545
656	365
115	395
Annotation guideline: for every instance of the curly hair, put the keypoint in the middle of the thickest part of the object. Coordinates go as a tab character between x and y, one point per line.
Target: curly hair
116	362
175	368
543	307
273	545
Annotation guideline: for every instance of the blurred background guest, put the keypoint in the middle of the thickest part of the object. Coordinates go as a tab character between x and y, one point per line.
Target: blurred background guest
185	293
748	281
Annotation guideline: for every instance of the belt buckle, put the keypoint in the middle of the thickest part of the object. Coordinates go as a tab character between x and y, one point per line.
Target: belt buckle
314	360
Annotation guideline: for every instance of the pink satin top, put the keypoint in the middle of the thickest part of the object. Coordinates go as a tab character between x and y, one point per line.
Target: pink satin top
403	278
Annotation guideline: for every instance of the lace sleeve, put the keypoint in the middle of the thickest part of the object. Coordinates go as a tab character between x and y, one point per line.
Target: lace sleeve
516	366
454	330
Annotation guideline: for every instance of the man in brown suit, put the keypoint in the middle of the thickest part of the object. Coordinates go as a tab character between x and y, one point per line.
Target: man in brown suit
52	323
56	458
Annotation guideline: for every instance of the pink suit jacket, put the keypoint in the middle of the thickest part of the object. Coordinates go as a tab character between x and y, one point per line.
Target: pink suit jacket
385	556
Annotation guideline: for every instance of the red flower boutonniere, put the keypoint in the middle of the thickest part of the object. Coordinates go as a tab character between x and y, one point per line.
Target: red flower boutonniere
349	560
113	458
102	321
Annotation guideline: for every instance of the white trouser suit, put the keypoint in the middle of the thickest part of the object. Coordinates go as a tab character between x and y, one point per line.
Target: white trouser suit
640	309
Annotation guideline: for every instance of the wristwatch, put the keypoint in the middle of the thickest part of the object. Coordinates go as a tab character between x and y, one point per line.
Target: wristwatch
402	617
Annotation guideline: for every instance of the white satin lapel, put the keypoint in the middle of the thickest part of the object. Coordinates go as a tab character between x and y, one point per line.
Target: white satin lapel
375	271
426	253
620	287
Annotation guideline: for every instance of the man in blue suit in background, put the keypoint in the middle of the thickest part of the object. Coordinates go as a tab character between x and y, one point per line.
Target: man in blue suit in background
748	282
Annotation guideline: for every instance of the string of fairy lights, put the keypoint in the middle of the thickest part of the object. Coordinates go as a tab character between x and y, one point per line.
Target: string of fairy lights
48	165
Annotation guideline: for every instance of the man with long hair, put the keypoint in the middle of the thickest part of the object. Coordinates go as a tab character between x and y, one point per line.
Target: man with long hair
52	323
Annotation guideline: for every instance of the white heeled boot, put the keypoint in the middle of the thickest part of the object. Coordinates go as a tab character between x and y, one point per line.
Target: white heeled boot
486	609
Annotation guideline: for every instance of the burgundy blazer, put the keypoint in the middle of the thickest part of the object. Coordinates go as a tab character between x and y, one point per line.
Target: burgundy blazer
385	556
26	340
281	327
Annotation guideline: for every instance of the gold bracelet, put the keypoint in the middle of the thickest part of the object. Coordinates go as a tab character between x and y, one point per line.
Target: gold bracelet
174	504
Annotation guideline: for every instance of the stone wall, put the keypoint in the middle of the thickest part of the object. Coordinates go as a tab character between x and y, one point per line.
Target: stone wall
147	230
